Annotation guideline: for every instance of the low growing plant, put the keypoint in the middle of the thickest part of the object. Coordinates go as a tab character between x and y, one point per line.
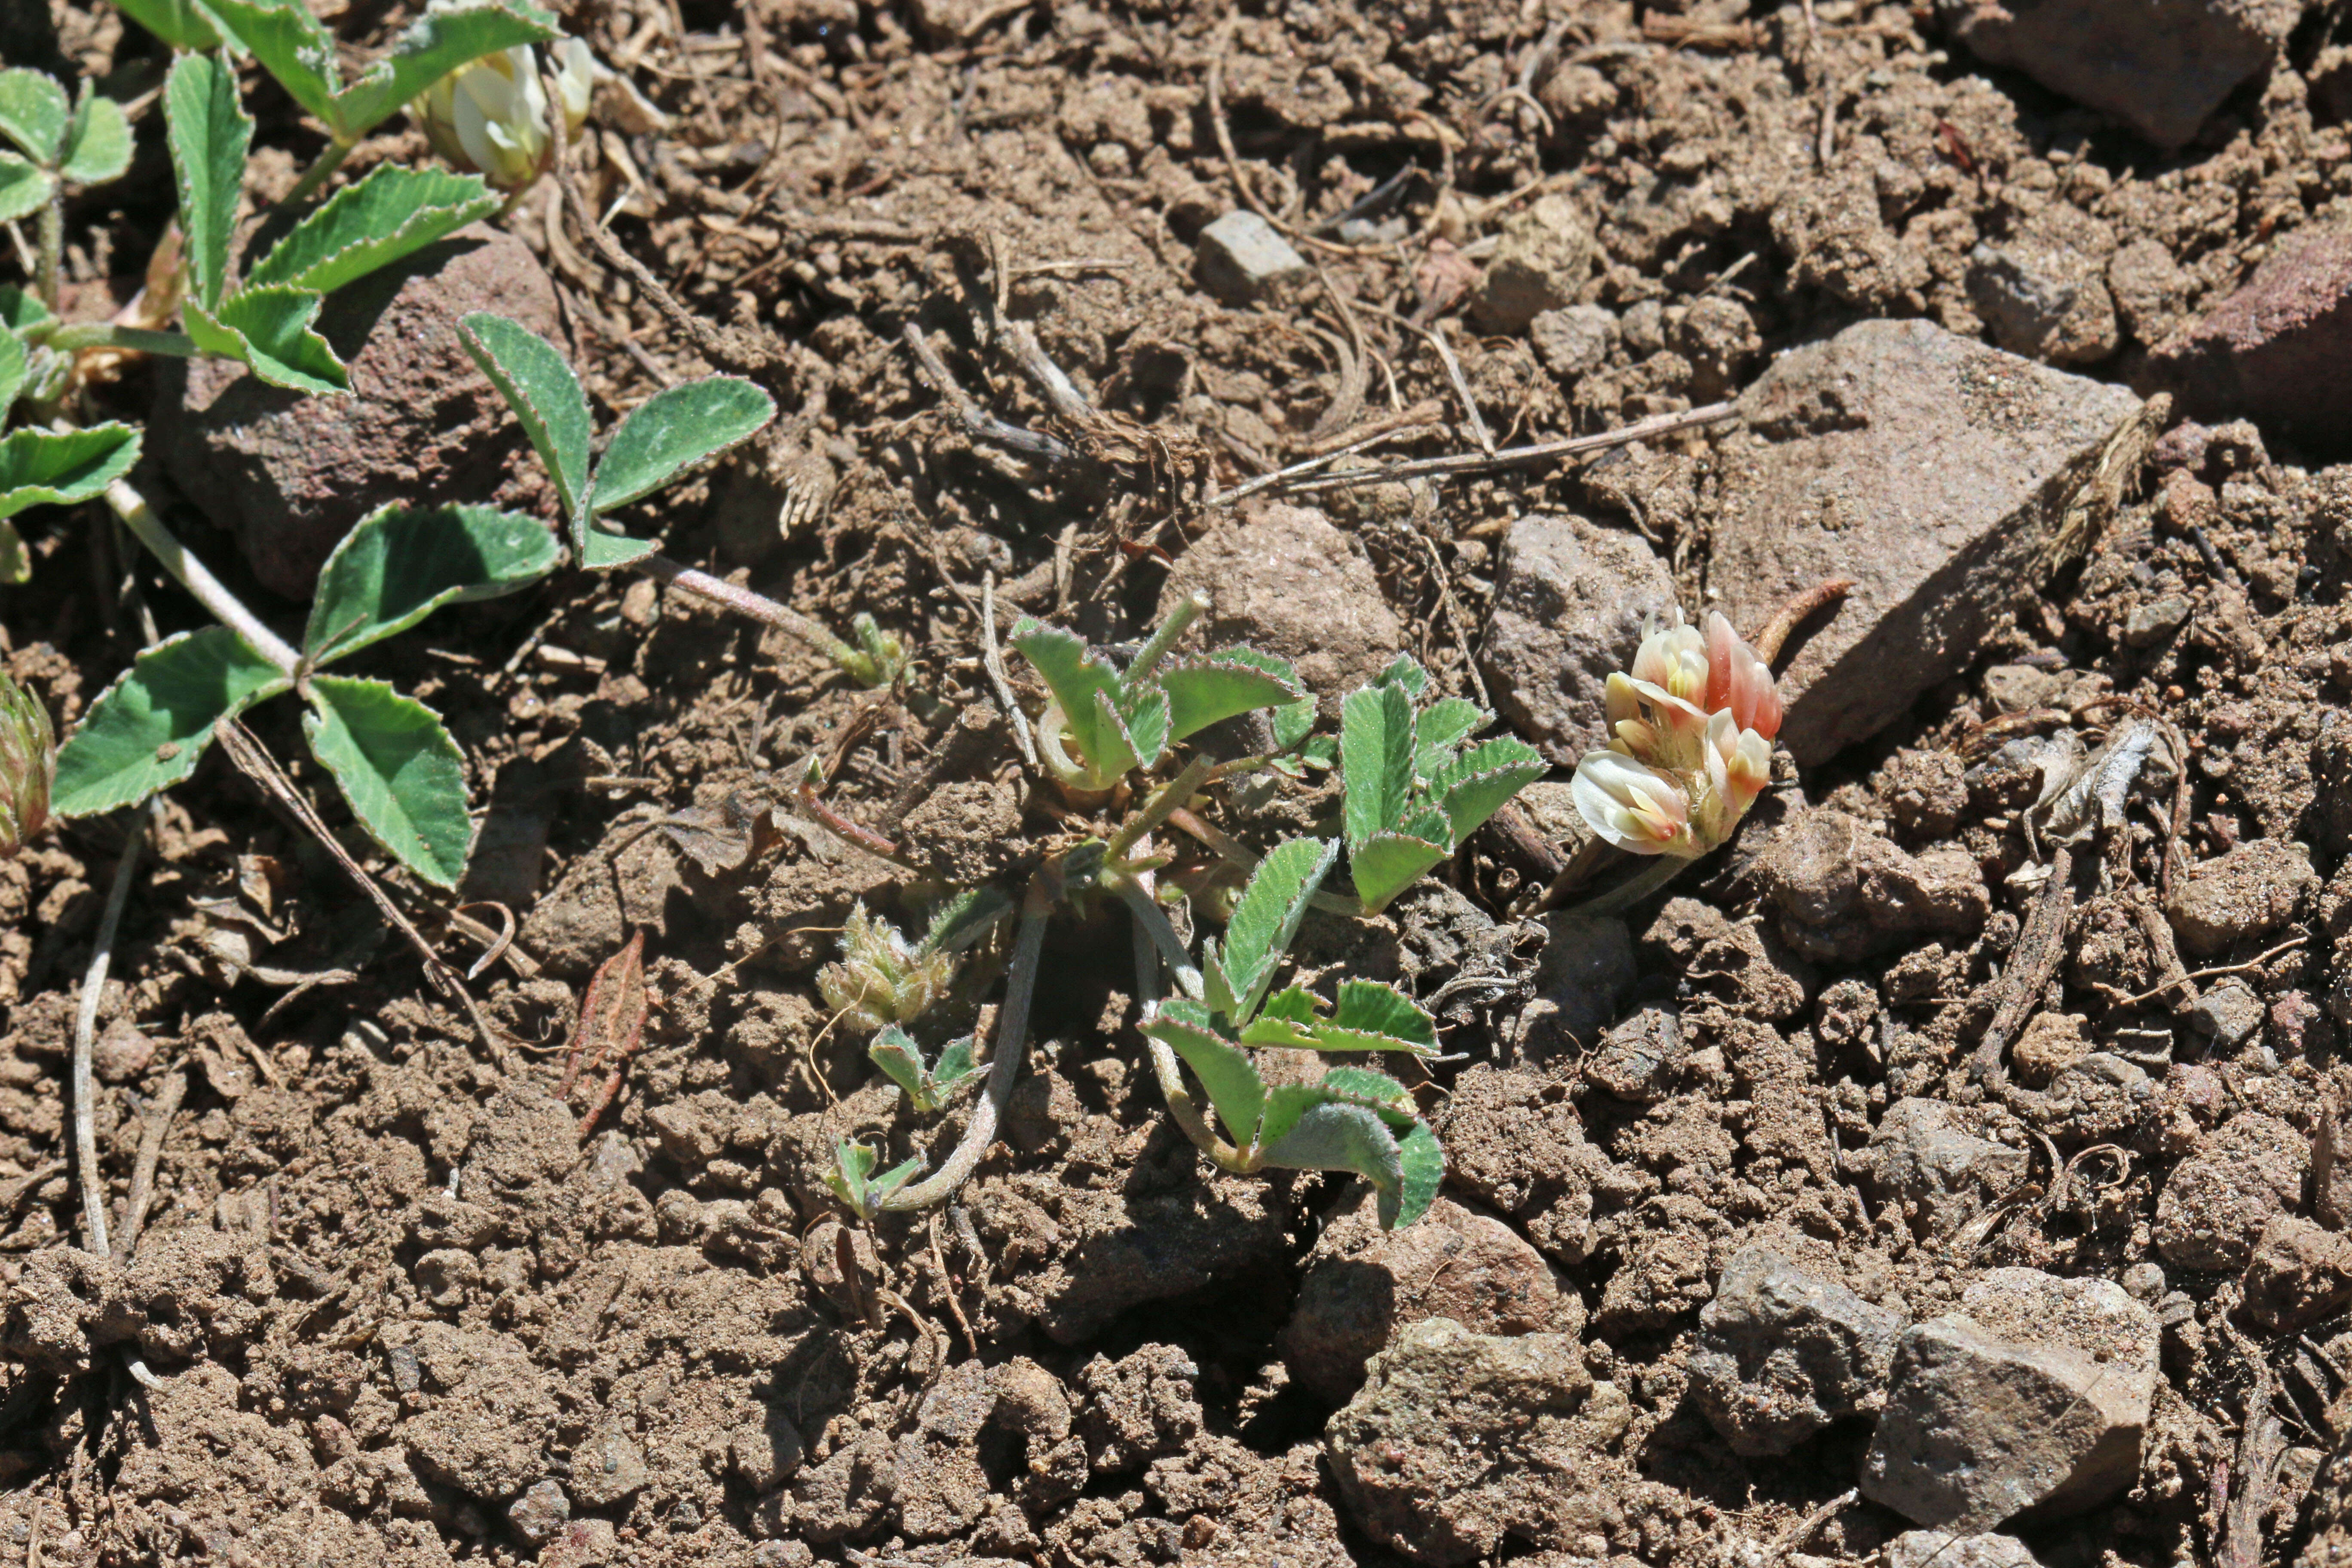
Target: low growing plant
28	766
928	1084
882	980
861	1192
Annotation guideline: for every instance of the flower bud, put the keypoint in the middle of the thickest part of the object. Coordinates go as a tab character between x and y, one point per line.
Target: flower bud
882	977
491	115
28	766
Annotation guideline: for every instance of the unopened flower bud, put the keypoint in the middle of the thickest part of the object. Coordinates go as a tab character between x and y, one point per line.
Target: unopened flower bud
491	115
882	978
28	766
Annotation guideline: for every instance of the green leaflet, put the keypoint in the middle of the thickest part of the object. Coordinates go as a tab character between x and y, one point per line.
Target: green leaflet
436	43
60	467
401	564
33	113
601	551
391	214
397	766
13	366
209	132
1330	1134
97	145
673	429
1208	690
1379	1018
291	45
1442	726
24	189
1376	755
1225	1072
21	309
853	1180
1475	787
1086	688
148	731
546	397
270	330
927	1086
184	25
1266	918
1386	864
16	561
1422	1162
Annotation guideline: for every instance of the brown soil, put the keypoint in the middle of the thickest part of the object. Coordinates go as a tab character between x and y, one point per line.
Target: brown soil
390	1291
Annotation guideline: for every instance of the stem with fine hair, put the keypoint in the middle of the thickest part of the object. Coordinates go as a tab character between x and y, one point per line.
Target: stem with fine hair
226	607
1012	1045
317	174
138	340
93	986
52	242
1189	608
1164	1067
745	602
1169	797
1153	922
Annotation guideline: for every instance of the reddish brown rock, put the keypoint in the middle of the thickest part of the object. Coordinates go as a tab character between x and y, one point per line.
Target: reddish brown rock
287	475
2279	349
2300	1273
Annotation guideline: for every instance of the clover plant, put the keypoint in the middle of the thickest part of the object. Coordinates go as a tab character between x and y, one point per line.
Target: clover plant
1413	795
390	754
927	1084
853	1181
882	979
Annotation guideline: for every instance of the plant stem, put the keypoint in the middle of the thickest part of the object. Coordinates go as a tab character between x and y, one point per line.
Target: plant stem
1242	861
1153	922
1169	797
52	245
1163	1060
106	335
1180	620
93	984
140	518
316	175
745	602
1662	869
1012	1045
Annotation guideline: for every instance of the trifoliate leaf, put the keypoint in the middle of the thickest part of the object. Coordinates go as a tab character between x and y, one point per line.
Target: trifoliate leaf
391	212
1376	748
1267	915
1077	679
1371	1016
148	731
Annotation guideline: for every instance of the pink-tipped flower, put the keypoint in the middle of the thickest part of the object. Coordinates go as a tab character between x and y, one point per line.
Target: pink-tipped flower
1632	804
28	766
1737	681
1738	766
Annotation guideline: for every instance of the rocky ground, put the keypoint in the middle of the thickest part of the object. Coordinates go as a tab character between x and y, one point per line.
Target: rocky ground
1948	1170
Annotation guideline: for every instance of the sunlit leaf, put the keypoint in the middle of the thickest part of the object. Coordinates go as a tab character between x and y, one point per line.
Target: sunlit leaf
148	731
1266	917
24	189
403	775
437	43
1208	690
672	430
1224	1071
33	113
1376	746
400	564
1386	864
392	212
292	46
60	467
98	143
209	132
546	398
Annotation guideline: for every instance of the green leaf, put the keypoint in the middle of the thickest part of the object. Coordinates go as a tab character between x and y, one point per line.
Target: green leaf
894	1051
955	1064
24	189
1375	760
1404	673
1371	1016
546	397
1422	1162
603	551
292	46
14	365
33	113
1334	1135
438	43
1292	722
209	134
965	918
1442	726
184	25
1085	690
269	331
673	428
98	146
1374	1090
21	309
400	564
60	467
1387	863
1145	724
1267	917
1225	1072
148	731
1474	787
361	227
1205	692
403	775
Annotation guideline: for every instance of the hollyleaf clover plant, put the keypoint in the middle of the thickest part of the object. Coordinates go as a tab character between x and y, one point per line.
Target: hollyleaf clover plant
928	1084
390	754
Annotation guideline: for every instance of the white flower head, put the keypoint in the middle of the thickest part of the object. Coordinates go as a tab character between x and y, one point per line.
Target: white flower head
1632	804
491	115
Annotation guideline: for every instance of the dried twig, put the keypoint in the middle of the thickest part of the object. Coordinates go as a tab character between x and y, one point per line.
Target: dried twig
158	1125
1804	1529
1800	608
2261	1441
1510	456
992	658
93	986
978	422
2039	948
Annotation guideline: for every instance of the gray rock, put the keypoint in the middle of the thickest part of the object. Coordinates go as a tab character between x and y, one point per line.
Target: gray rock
1641	1058
2044	300
2144	1281
1363	1284
2300	1273
1573	343
1844	891
607	1470
2161	67
1922	1158
1458	1442
2153	620
2279	349
1781	1354
1569	598
539	1512
1543	257
2217	1202
2034	1396
2228	1012
1242	258
1940	1549
1585	970
1925	466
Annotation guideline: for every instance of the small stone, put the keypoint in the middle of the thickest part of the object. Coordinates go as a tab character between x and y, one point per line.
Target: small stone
1926	791
584	1544
767	1453
1717	337
2217	1201
2035	1394
2050	1043
1243	258
1640	1059
1781	1354
1574	343
1585	970
2279	349
2150	289
2044	300
1138	1408
541	1512
2247	892
2153	620
1920	464
2300	1273
606	1470
2144	1282
1570	600
1363	1283
2161	67
1845	891
2228	1012
1922	1157
121	1052
1937	1549
1542	259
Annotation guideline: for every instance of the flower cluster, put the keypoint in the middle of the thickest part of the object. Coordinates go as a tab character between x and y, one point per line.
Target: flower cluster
491	116
882	978
1693	723
28	766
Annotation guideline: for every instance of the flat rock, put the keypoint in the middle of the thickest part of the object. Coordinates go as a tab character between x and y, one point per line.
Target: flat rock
1781	1354
1458	1442
2033	1396
1941	1549
1285	581
2161	67
2217	1202
1569	598
1243	258
2250	891
2278	350
1925	467
1542	258
286	476
1363	1284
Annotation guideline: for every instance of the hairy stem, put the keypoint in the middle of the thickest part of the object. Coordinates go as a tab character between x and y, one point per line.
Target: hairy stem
317	174
755	606
226	607
1149	949
1168	798
1153	922
106	335
93	987
1012	1045
1662	869
52	245
1238	857
1189	608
